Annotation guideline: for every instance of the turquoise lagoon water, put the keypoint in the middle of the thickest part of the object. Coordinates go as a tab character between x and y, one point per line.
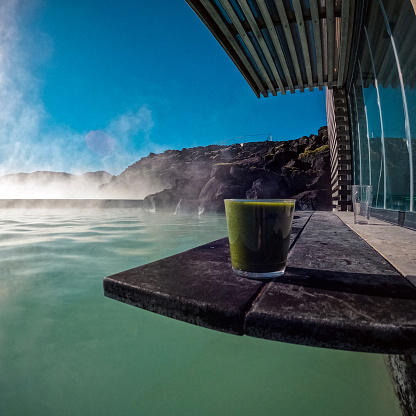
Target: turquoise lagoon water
65	349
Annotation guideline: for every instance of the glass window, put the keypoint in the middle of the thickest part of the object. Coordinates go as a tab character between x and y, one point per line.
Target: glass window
383	104
364	139
372	113
402	21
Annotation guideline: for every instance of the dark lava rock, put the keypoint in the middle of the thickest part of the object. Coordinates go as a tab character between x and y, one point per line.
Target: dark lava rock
216	190
280	159
316	200
183	191
270	185
161	201
200	178
188	206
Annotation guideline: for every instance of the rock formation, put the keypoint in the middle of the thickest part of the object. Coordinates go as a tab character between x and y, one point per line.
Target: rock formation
200	178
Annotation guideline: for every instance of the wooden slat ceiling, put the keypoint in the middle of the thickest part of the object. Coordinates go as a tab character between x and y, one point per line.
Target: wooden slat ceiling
283	45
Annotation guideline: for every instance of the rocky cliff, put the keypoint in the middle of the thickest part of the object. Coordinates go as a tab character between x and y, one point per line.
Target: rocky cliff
200	178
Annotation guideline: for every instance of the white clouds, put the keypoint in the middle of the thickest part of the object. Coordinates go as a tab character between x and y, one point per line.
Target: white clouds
131	133
30	141
132	123
118	143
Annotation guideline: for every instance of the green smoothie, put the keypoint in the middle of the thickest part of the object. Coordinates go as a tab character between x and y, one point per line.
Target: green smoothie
259	235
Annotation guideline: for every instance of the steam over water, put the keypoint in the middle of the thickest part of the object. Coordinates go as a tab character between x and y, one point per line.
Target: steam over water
65	349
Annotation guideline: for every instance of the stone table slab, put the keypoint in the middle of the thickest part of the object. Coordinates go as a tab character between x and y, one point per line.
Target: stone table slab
337	320
197	286
337	292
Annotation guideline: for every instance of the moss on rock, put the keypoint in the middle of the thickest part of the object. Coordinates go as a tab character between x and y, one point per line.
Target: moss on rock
313	153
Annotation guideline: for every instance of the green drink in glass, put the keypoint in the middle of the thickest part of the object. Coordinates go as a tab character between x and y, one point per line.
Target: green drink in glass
259	234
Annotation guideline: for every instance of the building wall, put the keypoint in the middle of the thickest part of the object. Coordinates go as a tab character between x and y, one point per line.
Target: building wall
382	105
340	148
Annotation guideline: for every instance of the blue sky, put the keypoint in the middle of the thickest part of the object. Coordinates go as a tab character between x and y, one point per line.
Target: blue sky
91	85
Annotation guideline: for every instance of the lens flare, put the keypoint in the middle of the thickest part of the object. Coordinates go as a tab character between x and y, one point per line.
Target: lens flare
100	142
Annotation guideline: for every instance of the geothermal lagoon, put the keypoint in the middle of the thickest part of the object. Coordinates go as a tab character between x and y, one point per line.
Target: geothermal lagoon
66	349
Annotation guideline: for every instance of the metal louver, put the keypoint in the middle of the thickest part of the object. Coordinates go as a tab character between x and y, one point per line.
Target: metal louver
283	45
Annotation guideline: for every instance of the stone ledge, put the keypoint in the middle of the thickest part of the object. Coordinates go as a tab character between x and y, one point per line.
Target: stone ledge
345	321
338	292
196	286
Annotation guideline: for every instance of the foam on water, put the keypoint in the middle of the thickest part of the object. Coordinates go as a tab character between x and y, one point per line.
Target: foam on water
65	349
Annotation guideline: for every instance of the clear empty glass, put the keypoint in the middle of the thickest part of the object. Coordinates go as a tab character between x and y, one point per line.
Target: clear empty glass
362	196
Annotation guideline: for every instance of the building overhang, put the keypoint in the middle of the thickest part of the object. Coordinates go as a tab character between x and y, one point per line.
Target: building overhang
283	45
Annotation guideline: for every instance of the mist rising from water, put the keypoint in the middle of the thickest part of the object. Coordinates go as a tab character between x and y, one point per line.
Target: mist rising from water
53	185
30	140
60	185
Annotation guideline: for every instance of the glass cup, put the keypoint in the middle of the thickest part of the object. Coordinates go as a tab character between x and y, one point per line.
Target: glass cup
259	234
362	196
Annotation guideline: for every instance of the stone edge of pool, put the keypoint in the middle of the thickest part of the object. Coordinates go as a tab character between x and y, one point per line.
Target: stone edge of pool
338	292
